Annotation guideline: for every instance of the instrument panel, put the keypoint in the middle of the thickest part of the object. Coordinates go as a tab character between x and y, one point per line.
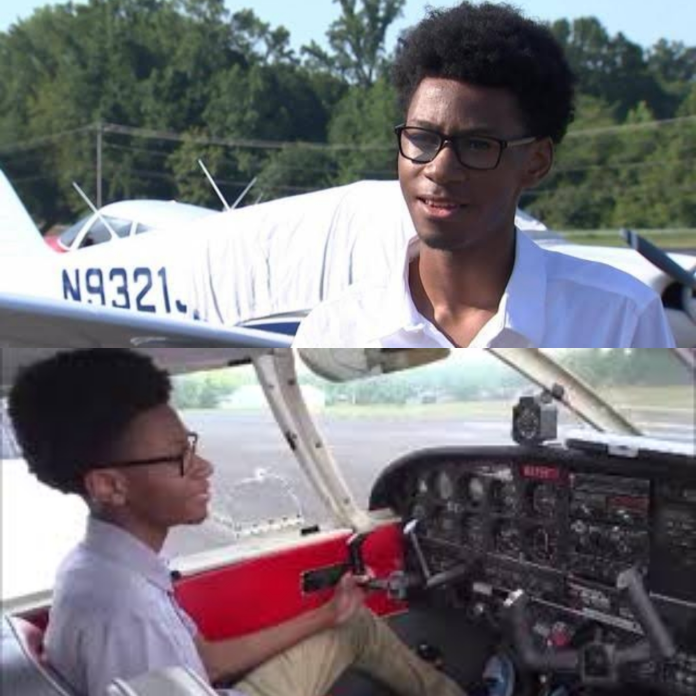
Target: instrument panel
591	525
562	526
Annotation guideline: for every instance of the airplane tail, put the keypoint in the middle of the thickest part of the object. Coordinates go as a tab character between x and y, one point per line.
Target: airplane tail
19	236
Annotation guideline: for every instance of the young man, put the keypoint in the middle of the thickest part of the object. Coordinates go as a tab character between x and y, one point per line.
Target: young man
487	94
98	423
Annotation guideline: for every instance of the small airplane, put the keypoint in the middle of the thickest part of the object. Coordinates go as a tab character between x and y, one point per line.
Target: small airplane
125	219
266	266
566	553
132	217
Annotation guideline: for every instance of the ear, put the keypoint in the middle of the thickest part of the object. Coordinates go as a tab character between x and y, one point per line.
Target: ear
105	487
539	162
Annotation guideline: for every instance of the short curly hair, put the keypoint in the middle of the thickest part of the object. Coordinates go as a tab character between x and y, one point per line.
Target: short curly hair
491	46
70	410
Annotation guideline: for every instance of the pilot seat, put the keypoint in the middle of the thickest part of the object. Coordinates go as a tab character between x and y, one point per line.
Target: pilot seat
23	668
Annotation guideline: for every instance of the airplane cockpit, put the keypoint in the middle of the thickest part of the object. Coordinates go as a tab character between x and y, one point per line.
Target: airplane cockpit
581	559
560	561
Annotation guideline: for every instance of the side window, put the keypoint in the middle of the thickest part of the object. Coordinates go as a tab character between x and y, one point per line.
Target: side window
258	486
100	233
30	552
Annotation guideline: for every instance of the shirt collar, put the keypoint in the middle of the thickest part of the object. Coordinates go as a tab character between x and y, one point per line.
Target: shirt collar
121	547
519	321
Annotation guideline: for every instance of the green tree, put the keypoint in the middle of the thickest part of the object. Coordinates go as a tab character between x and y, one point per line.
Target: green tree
295	170
366	117
258	41
222	163
357	40
611	68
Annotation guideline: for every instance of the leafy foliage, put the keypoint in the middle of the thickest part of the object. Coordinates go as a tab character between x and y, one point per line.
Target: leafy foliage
186	79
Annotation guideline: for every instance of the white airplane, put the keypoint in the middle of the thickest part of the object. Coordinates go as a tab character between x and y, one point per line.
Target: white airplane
267	265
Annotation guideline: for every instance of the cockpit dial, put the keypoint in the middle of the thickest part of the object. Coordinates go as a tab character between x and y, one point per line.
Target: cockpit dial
507	539
503	495
544	500
423	484
543	544
473	489
444	486
474	531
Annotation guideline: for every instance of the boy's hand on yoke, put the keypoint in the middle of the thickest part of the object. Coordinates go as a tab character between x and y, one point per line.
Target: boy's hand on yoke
347	600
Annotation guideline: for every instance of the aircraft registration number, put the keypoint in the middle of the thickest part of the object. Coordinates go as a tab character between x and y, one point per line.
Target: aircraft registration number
141	288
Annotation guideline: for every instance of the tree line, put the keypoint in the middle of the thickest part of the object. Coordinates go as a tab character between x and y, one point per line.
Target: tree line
605	371
187	79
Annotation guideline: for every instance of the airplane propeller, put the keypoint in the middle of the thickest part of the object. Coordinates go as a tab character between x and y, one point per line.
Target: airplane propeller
658	258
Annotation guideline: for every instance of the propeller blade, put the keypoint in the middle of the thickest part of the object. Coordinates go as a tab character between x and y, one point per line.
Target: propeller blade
658	258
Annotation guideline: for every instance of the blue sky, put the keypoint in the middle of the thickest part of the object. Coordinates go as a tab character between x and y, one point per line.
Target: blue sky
642	21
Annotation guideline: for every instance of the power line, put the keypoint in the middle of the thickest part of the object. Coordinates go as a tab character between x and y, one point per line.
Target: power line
43	140
631	126
170	177
259	144
255	167
606	192
240	143
621	165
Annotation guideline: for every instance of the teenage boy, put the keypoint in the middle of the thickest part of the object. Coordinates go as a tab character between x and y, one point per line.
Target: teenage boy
487	94
98	423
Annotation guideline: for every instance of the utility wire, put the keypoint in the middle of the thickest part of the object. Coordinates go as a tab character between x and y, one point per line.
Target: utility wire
165	135
257	168
631	126
43	140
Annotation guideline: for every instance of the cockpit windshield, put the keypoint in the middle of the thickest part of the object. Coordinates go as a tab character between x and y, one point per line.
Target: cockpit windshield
467	399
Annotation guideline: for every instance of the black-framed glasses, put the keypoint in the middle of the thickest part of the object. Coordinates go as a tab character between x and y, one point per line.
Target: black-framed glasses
423	145
184	459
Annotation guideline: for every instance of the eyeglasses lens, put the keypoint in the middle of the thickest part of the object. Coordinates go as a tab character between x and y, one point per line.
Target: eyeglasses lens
423	146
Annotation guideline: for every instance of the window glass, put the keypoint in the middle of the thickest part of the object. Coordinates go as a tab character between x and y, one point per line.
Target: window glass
67	236
99	232
466	399
258	487
38	525
651	388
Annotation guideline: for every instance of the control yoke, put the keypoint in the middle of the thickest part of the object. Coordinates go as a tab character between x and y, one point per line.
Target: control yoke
596	662
396	585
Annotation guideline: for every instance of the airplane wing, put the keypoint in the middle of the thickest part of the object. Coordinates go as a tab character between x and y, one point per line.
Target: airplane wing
32	321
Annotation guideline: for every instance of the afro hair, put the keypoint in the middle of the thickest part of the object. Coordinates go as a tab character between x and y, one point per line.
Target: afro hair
70	411
491	46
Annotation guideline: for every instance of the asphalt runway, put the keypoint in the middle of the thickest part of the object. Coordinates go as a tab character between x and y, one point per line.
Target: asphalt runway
258	480
255	469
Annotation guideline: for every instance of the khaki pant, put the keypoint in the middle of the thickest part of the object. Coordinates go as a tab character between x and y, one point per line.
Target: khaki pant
311	667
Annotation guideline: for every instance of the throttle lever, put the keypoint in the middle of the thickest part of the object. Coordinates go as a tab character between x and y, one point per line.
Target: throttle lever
410	534
396	585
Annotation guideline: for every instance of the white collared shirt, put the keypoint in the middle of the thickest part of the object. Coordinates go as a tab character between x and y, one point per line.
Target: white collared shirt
114	614
552	300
